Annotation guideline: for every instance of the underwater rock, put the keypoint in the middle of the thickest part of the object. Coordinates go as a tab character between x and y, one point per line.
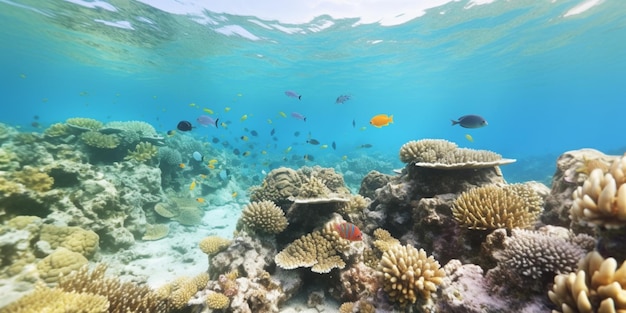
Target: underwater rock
372	181
250	256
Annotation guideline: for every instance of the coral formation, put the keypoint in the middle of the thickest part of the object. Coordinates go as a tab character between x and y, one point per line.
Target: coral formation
75	239
213	244
601	200
372	181
57	130
217	301
144	151
44	299
34	179
492	206
61	262
408	273
98	140
438	153
156	231
597	286
83	123
278	186
265	217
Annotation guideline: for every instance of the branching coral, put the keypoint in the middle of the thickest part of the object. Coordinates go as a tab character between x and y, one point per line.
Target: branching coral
217	301
383	240
264	217
408	272
84	123
44	299
34	179
426	150
99	140
144	151
601	200
491	207
213	244
598	286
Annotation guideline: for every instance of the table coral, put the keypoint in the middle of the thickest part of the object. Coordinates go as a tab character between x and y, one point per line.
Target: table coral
83	123
601	200
144	152
44	299
492	206
408	272
443	154
213	244
265	217
61	262
76	239
597	286
57	130
98	140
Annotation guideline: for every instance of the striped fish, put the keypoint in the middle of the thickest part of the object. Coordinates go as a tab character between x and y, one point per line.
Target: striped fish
349	231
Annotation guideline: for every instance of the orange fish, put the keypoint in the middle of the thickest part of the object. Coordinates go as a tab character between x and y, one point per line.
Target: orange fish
201	200
349	231
181	165
381	120
211	166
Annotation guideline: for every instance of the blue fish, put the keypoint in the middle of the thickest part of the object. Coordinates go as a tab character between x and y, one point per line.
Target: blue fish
341	99
470	121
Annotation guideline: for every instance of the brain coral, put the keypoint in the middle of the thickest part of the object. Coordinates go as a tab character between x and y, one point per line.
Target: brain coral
144	151
408	272
278	186
76	239
598	286
99	140
84	123
601	200
60	262
213	244
265	217
492	206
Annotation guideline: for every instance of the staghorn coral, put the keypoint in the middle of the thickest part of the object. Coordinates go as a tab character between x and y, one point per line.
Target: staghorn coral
491	207
44	299
99	140
34	179
61	262
265	217
217	301
75	239
57	130
122	296
278	186
156	231
213	244
84	123
597	286
601	200
144	152
407	272
443	154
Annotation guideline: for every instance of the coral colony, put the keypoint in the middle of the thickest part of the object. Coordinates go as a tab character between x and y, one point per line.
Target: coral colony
445	234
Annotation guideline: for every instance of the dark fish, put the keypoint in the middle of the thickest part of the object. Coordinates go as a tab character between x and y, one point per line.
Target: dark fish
171	132
470	121
184	126
334	146
296	134
272	132
254	133
353	123
36	117
236	151
313	141
215	140
366	145
274	138
341	99
309	157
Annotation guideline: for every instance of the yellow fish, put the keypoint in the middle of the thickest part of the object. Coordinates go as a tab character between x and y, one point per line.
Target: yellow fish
323	146
244	117
201	200
211	166
192	104
212	161
281	113
193	185
247	153
154	97
224	125
288	149
363	128
345	157
381	120
226	109
244	138
234	195
202	176
209	111
269	121
263	152
469	137
181	165
239	95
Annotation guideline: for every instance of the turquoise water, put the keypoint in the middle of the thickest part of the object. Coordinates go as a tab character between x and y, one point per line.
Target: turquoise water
545	82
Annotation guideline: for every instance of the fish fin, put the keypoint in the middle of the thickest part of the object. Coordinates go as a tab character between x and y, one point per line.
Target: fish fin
304	119
454	122
391	119
300	97
217	123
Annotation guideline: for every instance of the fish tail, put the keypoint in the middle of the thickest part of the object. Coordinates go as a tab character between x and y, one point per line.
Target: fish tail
454	122
300	97
391	118
216	123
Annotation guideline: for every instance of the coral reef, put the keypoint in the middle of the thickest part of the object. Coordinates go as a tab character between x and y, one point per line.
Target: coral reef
213	244
34	179
217	301
492	207
83	123
279	184
57	130
437	153
372	181
156	231
44	299
73	238
264	217
144	152
98	140
61	262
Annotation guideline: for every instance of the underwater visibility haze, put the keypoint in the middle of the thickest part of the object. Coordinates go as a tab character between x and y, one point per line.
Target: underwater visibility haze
194	116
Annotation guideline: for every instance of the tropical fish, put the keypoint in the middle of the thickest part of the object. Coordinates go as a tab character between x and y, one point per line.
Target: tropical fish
272	132
269	121
341	99
323	146
184	126
334	146
190	104
313	141
296	134
212	161
226	109
308	157
288	149
345	157
234	194
206	120
215	140
246	153
263	152
349	231
381	120
254	133
171	133
244	138
211	166
293	94
469	137
363	128
193	185
365	145
207	110
470	121
236	151
224	125
201	200
244	117
181	165
298	116
281	113
197	156
353	123
203	176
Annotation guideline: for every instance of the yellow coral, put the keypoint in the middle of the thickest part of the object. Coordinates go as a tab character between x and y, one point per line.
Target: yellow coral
181	291
156	231
213	244
84	123
76	239
8	159
144	151
408	272
264	216
44	299
8	187
60	262
383	240
598	286
99	140
217	301
443	154
491	207
57	130
34	179
601	200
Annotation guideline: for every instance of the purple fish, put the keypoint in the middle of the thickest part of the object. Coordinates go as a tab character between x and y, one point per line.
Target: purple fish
341	99
293	94
206	120
298	116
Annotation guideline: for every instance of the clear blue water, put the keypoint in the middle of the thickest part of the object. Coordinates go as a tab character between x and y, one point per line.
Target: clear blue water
545	82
